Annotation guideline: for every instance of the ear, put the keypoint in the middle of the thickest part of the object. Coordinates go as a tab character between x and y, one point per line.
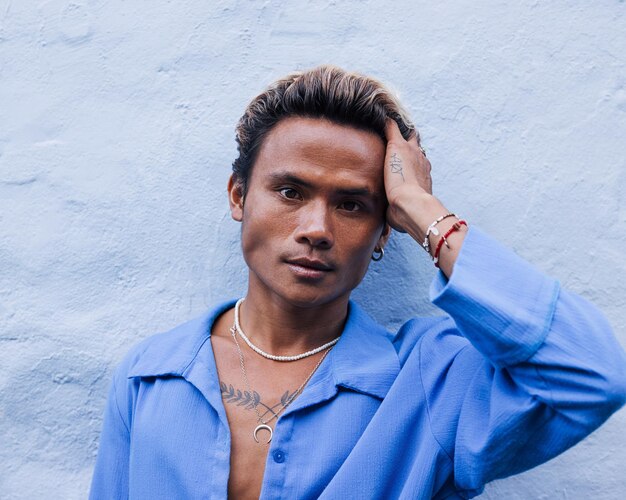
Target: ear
235	198
384	237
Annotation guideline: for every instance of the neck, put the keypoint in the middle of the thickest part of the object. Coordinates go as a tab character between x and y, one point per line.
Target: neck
285	329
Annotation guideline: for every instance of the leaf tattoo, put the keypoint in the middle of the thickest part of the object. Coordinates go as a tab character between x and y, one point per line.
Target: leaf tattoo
286	398
249	399
246	399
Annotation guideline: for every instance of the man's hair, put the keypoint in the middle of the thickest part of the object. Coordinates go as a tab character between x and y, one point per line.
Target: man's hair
323	92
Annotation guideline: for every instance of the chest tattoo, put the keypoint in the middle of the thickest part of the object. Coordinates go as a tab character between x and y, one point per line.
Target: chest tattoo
250	399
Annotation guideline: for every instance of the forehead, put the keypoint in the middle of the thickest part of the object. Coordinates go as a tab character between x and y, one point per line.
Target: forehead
318	148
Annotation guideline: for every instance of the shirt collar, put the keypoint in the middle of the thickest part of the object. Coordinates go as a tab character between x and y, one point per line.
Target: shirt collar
364	359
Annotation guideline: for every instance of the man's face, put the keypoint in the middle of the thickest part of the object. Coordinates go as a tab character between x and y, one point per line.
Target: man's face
314	210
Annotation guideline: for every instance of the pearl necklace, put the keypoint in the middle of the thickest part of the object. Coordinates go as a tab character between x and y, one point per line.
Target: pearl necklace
264	424
272	356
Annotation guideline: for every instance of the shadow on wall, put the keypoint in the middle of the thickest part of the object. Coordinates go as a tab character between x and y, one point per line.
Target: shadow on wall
403	279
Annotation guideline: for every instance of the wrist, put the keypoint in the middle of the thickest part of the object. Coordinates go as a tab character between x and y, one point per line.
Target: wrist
419	211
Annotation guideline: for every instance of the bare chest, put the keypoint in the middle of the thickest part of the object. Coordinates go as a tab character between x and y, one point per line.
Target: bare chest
260	399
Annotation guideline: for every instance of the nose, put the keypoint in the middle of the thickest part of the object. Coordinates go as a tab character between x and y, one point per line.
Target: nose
315	226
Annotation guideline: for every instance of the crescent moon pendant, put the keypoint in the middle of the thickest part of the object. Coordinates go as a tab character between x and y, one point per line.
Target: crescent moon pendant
262	427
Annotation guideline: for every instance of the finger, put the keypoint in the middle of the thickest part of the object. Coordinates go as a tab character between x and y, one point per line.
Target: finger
416	144
392	131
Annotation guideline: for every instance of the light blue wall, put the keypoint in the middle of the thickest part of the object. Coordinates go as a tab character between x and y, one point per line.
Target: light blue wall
117	134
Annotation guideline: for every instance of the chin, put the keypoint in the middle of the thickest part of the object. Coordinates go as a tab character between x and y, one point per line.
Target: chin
300	293
308	297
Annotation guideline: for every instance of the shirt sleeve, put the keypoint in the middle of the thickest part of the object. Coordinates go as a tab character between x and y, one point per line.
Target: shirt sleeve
541	371
110	478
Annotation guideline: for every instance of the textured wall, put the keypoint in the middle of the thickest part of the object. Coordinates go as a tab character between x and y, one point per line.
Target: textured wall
116	137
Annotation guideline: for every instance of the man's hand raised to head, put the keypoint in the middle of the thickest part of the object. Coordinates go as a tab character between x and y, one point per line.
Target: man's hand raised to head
407	174
412	206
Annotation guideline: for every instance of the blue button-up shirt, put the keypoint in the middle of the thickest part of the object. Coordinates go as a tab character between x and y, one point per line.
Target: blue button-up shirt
516	372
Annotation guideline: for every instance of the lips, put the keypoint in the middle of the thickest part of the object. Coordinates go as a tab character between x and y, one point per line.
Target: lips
318	265
311	270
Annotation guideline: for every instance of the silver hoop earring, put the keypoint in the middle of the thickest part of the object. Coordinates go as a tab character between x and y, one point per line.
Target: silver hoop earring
381	254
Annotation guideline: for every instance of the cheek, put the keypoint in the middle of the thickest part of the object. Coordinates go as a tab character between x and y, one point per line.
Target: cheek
262	225
356	269
359	250
363	235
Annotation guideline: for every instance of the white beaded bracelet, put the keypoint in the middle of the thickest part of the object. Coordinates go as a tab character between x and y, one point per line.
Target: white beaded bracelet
433	230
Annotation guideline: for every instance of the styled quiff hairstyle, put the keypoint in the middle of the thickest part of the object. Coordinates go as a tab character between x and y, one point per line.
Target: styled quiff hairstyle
323	92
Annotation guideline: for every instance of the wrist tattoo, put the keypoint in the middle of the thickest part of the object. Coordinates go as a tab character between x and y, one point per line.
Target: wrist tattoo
396	165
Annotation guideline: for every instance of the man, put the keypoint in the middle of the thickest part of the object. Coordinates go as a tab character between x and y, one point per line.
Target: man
295	392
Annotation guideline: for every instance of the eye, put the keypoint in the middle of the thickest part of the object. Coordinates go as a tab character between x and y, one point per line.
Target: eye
351	206
289	193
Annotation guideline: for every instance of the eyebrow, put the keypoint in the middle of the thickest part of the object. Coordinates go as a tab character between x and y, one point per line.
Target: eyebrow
293	179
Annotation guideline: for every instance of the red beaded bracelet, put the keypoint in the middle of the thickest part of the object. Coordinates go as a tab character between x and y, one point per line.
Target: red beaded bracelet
443	239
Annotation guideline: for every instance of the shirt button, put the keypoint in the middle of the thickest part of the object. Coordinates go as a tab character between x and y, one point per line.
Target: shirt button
279	457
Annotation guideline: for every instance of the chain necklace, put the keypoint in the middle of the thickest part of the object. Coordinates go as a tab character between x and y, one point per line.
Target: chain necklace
273	357
263	425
